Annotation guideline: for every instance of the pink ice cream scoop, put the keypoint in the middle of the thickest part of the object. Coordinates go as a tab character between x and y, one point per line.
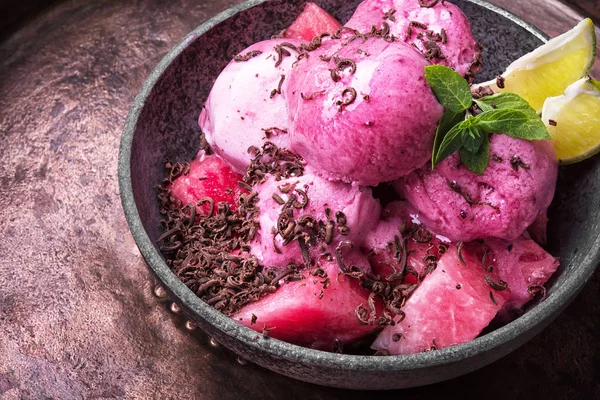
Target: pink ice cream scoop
362	112
516	187
312	210
245	106
442	33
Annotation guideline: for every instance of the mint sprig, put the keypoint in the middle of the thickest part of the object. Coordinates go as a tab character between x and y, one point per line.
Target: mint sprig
459	130
451	90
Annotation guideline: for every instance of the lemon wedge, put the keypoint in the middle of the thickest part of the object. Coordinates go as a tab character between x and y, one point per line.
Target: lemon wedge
573	121
549	69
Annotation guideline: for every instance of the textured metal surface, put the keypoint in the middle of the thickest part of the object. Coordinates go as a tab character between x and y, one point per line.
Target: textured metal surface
76	318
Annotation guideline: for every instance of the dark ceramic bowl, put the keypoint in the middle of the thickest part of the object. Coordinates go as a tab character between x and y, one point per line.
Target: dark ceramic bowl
163	122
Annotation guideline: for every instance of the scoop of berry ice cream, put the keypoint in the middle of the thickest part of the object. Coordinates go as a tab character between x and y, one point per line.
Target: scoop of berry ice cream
245	106
442	33
310	212
516	187
362	112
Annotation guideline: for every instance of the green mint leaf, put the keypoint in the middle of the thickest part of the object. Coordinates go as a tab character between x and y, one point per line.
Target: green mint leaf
449	87
472	138
449	119
483	105
453	140
532	129
501	121
478	161
510	101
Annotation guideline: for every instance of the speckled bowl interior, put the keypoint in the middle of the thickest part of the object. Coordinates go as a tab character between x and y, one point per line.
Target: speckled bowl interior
163	123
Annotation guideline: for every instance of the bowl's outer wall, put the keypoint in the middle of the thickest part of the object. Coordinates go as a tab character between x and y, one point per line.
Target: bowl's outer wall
167	128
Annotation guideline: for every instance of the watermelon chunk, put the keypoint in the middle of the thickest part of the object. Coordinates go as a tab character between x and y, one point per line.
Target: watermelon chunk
525	266
208	176
311	22
452	305
314	312
422	247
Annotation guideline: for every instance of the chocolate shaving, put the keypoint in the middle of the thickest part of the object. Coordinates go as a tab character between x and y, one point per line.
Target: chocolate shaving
281	54
459	247
458	189
417	24
493	298
422	235
279	162
534	290
498	286
482	91
389	14
500	81
516	162
277	91
265	331
312	95
428	4
348	96
247	56
362	314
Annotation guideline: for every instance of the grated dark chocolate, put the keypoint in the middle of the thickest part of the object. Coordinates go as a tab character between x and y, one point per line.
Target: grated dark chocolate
247	56
270	159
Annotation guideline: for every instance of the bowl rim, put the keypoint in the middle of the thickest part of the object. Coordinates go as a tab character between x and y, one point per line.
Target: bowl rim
543	313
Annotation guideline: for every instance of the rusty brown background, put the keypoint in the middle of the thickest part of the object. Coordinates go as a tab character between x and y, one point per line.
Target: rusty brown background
78	316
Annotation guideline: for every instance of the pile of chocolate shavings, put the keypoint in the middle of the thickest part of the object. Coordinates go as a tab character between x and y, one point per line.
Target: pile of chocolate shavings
272	160
208	252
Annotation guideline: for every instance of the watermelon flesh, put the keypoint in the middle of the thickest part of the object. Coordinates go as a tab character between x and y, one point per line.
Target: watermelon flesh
380	243
452	305
314	312
525	266
311	22
208	176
